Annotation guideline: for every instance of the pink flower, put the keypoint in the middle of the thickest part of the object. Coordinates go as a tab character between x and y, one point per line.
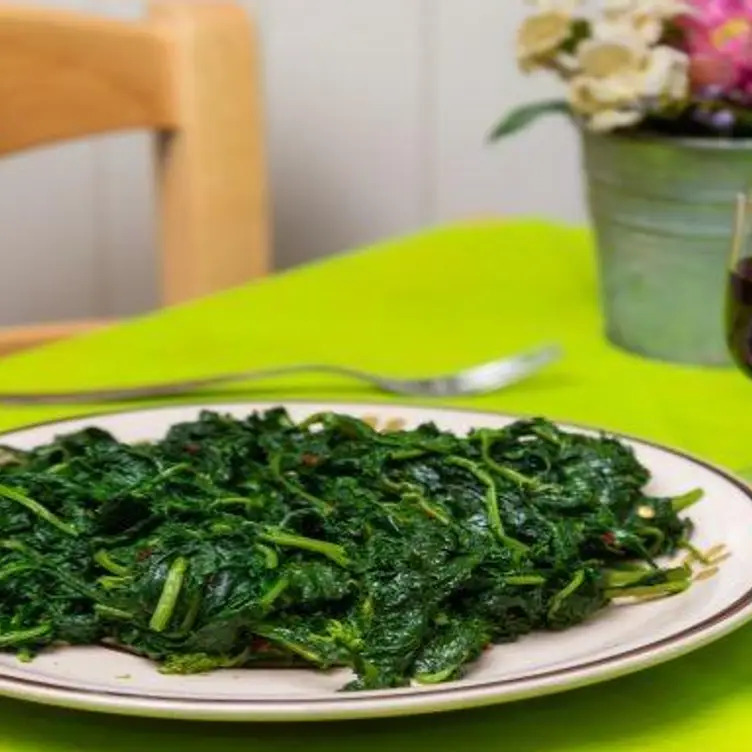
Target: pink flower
719	42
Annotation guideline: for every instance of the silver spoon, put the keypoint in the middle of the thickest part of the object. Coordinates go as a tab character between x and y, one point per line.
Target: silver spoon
476	380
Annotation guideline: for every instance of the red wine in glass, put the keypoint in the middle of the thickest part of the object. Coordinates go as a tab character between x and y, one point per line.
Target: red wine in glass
739	313
739	292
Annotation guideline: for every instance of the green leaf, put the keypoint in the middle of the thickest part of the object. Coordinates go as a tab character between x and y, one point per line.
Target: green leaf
523	116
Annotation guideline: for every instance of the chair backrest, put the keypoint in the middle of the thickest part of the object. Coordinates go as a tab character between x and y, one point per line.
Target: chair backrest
189	71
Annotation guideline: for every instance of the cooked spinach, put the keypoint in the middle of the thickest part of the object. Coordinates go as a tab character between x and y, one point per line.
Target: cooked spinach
402	555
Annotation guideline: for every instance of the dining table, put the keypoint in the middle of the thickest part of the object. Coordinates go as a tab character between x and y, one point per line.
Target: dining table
429	303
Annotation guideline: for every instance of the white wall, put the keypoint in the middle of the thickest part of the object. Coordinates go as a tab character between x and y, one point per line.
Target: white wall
377	112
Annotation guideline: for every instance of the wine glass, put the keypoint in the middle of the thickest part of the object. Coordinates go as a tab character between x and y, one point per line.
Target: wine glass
739	291
739	295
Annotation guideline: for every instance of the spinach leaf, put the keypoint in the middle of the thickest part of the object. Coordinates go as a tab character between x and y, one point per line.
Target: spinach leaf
402	555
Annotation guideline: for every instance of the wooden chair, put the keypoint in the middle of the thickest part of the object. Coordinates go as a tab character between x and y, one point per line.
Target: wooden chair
189	72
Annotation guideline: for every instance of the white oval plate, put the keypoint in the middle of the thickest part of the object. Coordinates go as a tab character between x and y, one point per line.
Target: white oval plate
622	639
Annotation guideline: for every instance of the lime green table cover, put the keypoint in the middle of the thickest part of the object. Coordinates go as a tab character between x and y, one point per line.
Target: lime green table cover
430	303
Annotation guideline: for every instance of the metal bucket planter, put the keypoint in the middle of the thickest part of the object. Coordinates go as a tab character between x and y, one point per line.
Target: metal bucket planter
663	214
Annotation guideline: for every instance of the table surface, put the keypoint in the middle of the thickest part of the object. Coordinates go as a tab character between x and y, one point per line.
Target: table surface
429	303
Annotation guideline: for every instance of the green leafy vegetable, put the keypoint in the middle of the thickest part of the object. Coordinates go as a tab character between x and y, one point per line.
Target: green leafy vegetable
402	555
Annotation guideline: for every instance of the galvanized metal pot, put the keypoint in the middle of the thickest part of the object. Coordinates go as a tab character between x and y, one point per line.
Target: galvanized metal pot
663	215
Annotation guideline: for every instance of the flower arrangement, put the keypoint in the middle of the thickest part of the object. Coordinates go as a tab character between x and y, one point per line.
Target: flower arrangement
676	67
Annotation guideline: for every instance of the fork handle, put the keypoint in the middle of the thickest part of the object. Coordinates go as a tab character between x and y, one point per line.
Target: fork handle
125	394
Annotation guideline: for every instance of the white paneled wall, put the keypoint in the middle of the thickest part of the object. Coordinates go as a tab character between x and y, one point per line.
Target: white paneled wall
376	113
125	206
346	87
475	81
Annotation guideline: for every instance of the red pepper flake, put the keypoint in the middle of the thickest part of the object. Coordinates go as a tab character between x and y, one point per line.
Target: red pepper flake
144	553
192	448
310	460
260	645
609	539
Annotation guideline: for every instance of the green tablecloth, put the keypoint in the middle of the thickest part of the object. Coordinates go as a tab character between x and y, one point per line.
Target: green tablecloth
431	303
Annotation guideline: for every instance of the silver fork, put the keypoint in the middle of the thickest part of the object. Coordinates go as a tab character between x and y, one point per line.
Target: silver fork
479	379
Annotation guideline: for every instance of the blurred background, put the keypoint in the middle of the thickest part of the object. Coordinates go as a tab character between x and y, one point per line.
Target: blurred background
376	118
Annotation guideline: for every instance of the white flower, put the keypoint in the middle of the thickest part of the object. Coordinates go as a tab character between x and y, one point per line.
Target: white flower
620	71
611	120
667	9
617	8
647	29
567	64
666	74
589	96
618	55
540	37
617	77
565	7
647	18
606	105
640	31
660	9
582	96
619	84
